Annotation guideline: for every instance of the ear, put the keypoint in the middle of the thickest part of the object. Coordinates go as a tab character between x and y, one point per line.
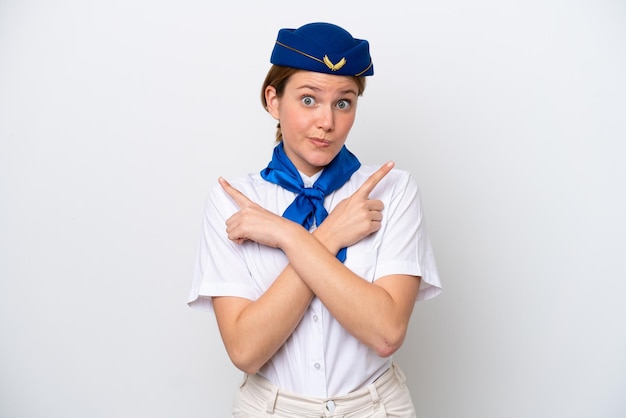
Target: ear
273	101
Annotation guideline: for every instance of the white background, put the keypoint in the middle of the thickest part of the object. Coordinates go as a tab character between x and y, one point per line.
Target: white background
117	116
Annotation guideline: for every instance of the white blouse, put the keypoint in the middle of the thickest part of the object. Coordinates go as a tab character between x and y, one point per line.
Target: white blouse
320	358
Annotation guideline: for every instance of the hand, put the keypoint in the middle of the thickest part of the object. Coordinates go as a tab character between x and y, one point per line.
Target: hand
355	217
252	222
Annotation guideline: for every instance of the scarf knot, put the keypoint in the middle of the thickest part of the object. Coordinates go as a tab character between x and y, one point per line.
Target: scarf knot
307	208
313	194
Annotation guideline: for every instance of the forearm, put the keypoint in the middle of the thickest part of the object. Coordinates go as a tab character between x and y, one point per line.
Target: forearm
254	331
368	311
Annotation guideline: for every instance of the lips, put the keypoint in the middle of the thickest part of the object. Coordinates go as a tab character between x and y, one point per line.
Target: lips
319	142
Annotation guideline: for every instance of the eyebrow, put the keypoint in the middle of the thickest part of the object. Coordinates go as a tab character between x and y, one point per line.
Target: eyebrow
347	91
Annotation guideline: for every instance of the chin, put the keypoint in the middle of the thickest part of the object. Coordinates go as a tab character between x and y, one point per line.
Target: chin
322	161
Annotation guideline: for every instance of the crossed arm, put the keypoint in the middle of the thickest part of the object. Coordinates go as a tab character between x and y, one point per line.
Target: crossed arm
375	313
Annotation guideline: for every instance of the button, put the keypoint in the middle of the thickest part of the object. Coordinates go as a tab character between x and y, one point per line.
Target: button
317	366
315	318
330	406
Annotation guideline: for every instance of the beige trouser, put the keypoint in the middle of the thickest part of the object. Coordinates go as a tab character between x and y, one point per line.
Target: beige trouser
388	396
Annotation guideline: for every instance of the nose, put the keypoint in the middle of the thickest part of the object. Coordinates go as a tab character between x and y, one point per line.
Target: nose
326	118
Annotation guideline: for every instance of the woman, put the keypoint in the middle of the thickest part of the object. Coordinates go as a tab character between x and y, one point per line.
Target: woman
312	266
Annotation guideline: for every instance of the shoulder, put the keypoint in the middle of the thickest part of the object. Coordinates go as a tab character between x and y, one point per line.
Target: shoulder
250	184
245	183
269	195
396	174
396	181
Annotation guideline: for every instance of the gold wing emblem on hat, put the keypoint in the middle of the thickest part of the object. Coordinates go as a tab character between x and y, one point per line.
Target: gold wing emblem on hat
334	67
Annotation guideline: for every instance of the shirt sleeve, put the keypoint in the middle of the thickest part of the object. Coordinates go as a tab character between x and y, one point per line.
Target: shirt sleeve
220	268
406	248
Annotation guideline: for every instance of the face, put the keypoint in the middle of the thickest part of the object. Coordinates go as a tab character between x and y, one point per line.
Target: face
316	113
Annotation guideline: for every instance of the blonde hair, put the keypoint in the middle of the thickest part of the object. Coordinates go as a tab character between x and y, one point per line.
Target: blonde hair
277	77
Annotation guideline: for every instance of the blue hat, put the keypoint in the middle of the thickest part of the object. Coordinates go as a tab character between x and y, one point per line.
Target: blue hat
323	48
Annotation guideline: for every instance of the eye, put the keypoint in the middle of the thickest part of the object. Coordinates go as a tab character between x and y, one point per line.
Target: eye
344	104
308	100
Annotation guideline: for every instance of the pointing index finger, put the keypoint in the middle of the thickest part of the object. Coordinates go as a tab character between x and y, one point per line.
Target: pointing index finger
373	180
239	198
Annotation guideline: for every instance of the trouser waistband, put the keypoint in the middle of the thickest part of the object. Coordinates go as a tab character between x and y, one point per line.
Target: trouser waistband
367	397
